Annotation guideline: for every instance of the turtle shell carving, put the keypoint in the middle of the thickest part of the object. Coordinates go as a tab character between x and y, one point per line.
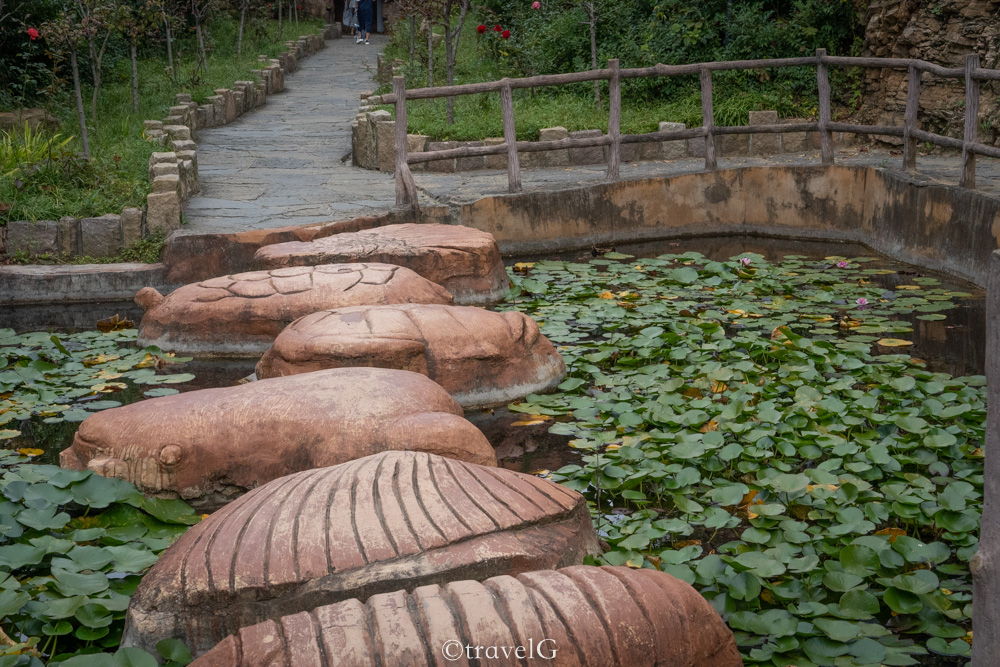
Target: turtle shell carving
482	358
395	520
582	616
464	260
242	314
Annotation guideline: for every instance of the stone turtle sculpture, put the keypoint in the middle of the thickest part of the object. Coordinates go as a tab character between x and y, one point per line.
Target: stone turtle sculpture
212	445
466	261
584	616
481	358
242	314
395	520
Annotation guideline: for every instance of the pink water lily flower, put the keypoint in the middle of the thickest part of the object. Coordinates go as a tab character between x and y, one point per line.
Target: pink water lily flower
842	264
862	302
745	261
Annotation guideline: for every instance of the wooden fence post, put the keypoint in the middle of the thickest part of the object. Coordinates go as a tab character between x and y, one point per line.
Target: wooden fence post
614	119
406	189
985	564
910	119
510	139
708	118
823	85
971	135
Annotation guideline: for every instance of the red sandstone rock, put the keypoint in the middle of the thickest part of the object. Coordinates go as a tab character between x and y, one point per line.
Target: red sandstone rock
466	261
481	357
392	521
583	615
212	445
242	314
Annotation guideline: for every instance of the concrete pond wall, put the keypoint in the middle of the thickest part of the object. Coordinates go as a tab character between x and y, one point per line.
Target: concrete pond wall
938	227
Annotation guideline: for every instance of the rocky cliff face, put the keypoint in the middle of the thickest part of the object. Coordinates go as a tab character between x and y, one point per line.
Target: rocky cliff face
938	31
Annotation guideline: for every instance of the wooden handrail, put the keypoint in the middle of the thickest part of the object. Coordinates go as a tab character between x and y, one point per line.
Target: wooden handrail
972	74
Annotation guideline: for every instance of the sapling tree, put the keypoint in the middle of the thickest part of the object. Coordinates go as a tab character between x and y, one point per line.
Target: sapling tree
442	12
200	11
66	32
451	36
168	18
97	18
137	19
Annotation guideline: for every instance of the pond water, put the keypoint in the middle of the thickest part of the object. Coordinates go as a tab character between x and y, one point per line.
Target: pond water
670	485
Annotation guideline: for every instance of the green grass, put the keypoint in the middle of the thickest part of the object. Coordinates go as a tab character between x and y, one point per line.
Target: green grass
117	176
570	106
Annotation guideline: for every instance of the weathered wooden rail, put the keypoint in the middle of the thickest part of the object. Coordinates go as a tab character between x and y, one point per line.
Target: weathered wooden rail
972	74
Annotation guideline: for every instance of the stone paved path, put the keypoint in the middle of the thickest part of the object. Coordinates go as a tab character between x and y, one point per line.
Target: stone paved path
281	164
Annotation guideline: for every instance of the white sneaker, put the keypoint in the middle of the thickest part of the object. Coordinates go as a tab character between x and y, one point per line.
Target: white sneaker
366	41
357	41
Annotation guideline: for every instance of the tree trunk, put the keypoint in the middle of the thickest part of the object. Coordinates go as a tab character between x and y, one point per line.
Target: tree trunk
449	67
295	7
430	55
239	39
279	18
201	43
79	102
413	36
170	42
593	49
135	77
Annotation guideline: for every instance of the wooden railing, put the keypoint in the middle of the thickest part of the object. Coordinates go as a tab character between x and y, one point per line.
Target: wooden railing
972	73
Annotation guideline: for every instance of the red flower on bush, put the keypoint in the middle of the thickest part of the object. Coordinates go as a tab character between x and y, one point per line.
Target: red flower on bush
536	5
505	34
32	33
497	28
481	29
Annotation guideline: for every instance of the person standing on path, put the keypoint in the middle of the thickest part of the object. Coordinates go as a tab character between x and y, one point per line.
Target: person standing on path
350	15
364	20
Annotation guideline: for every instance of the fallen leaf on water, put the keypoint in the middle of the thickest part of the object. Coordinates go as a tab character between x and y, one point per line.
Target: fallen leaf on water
894	342
529	422
710	426
30	451
893	533
686	543
607	295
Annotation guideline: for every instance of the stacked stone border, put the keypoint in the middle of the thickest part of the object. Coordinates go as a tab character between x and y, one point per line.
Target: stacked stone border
173	173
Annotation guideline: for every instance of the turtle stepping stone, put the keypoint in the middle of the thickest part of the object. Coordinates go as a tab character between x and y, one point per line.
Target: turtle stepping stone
240	315
391	521
481	358
583	616
210	446
464	260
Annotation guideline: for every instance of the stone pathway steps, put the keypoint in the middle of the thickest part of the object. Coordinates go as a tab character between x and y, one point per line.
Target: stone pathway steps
281	164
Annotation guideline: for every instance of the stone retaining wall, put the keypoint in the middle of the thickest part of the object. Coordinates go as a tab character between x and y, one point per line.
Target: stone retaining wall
373	145
173	173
